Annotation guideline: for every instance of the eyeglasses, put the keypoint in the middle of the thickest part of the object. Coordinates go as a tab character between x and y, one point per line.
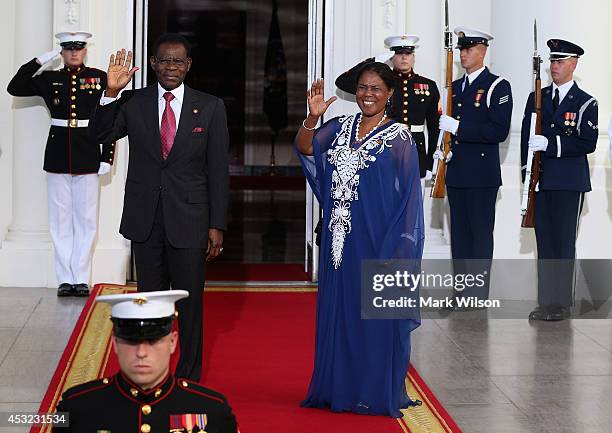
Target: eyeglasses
179	63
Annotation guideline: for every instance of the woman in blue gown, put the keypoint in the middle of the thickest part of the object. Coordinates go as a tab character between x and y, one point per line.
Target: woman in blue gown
364	172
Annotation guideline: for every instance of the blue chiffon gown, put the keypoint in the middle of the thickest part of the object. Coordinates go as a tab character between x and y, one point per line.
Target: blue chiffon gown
370	193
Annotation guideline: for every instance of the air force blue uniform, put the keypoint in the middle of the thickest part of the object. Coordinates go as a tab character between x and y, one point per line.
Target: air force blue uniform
484	110
572	133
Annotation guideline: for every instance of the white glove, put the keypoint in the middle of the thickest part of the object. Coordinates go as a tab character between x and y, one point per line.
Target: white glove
105	167
449	124
610	136
428	175
48	56
383	57
538	143
438	154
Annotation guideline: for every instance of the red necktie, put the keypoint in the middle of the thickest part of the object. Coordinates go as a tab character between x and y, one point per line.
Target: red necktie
167	130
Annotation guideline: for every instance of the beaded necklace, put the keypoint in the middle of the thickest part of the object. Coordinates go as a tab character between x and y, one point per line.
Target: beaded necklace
382	119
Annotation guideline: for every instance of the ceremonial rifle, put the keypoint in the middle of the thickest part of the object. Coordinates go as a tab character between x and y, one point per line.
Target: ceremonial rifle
444	138
532	175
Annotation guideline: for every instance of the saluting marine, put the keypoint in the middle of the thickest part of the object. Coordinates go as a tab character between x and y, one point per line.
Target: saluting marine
72	161
145	396
482	109
415	99
569	134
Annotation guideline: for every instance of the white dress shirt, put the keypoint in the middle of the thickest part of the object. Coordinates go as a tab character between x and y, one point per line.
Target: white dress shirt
472	77
563	89
176	104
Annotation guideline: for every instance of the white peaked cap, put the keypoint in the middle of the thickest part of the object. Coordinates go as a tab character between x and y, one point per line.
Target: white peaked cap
143	305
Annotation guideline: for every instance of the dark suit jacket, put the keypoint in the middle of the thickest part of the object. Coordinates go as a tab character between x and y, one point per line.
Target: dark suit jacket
193	182
482	126
564	165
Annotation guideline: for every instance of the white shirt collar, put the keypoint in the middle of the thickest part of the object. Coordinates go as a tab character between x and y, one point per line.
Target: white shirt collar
563	89
178	93
472	77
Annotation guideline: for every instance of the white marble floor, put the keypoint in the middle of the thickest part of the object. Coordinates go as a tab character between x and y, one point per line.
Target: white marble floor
492	375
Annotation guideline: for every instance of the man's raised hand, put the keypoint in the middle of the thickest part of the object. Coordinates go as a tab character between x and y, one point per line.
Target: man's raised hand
119	73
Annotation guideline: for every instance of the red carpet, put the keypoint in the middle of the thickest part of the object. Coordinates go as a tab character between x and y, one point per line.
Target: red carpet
258	352
220	271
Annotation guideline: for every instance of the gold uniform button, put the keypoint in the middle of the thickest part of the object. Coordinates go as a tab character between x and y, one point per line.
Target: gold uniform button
74	83
458	117
459	104
73	114
405	81
73	106
134	392
146	409
552	125
406	94
74	77
158	392
405	102
105	381
405	89
405	111
145	428
73	97
184	383
405	119
73	89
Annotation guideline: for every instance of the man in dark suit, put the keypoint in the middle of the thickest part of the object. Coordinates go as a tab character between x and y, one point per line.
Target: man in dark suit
177	186
569	134
482	109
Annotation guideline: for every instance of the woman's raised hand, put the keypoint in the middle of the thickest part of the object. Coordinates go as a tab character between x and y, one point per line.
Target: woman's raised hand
317	105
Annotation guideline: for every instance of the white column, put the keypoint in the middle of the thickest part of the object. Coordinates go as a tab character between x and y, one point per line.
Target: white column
111	24
426	19
25	258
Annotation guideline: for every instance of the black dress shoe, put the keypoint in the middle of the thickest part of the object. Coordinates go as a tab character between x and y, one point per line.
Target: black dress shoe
81	290
558	313
64	290
540	313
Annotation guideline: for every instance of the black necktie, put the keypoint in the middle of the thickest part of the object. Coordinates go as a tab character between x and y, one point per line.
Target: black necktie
466	84
556	100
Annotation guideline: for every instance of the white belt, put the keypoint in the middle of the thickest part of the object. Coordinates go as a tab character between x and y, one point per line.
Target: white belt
70	123
417	128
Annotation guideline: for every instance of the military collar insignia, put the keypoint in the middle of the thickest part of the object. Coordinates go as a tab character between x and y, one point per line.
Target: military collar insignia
134	392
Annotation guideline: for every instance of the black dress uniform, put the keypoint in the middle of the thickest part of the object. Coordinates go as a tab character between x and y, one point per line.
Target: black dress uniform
70	94
473	177
572	131
415	101
73	161
117	405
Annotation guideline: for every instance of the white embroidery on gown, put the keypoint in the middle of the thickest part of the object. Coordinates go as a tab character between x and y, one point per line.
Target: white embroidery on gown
348	161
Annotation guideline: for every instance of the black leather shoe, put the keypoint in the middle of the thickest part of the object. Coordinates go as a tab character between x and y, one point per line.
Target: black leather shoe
558	313
540	313
81	290
64	290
